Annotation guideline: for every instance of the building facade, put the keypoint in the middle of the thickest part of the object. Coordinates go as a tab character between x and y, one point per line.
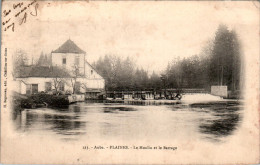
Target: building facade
69	72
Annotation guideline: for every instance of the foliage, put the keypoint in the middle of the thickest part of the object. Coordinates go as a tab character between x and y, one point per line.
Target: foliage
42	98
219	63
225	62
73	80
44	60
123	74
187	73
20	59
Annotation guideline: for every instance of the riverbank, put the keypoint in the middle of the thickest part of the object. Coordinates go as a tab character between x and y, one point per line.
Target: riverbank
39	100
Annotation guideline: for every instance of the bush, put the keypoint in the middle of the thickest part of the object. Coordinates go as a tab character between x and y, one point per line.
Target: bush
43	99
28	103
59	101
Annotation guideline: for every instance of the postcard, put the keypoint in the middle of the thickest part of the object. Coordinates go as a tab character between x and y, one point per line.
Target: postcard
130	82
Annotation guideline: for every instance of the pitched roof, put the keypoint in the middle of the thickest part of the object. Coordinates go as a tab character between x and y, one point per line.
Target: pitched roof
42	71
69	47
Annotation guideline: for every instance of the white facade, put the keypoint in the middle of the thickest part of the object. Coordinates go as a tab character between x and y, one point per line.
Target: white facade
68	58
84	67
90	73
42	84
69	61
91	78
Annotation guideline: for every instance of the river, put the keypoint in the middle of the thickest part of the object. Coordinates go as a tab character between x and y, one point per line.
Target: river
212	121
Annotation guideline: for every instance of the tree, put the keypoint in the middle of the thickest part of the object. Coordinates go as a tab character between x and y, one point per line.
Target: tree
155	82
188	72
20	59
74	77
121	73
59	77
56	83
237	63
225	62
44	60
126	74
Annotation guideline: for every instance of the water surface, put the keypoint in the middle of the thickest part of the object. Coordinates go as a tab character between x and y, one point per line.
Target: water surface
129	120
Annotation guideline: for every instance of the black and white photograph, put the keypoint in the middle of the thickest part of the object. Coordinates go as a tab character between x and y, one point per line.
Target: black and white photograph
130	82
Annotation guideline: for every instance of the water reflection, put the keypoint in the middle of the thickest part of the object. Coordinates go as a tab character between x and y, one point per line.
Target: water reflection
115	109
205	121
224	121
64	121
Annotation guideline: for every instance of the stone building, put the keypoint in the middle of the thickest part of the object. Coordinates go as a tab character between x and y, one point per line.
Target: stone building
68	72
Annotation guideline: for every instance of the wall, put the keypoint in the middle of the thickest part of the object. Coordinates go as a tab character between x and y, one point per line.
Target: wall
219	91
93	79
89	83
70	60
34	80
90	72
95	83
23	87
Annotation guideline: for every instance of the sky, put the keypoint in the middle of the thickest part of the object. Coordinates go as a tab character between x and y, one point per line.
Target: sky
151	32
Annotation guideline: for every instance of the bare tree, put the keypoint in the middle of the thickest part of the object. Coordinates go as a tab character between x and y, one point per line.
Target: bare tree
20	59
59	77
56	83
75	75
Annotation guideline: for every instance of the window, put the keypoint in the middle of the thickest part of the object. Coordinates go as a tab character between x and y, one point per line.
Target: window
77	60
91	72
34	88
64	60
61	86
47	86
